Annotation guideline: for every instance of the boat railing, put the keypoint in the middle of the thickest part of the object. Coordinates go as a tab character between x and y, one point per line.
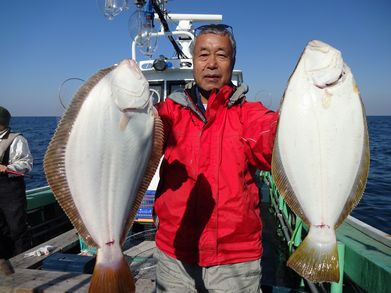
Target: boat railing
36	190
370	231
294	230
292	226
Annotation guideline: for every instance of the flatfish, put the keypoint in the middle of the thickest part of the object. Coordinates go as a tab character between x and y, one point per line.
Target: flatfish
99	163
321	155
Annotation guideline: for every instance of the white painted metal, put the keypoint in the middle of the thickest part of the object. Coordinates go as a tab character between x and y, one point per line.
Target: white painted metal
194	17
370	231
160	34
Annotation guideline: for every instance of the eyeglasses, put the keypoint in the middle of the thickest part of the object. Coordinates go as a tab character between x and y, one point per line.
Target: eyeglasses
213	28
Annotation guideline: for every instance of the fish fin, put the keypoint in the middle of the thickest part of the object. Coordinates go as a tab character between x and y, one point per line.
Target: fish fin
360	180
316	258
283	185
109	279
54	161
123	121
154	160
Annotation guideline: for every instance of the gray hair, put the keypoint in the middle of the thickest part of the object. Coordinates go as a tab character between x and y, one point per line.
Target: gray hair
217	29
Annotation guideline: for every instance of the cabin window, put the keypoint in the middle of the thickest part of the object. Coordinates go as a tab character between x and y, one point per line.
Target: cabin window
176	86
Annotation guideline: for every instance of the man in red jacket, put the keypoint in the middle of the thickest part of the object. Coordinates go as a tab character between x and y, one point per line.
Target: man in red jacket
207	203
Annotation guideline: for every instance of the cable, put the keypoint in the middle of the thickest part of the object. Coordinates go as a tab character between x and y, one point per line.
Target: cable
60	97
164	23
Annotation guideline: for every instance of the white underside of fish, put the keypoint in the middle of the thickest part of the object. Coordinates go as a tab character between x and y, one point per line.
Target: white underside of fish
105	164
100	162
321	141
321	154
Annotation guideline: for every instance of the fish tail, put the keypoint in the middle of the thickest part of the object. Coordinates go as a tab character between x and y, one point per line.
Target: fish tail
111	277
316	259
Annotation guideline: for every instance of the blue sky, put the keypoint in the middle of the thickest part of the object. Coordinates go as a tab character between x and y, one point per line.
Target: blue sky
44	42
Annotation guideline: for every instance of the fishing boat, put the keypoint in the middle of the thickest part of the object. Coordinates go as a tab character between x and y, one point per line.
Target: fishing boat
364	252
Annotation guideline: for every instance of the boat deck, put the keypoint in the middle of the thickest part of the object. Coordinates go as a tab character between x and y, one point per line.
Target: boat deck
367	263
29	278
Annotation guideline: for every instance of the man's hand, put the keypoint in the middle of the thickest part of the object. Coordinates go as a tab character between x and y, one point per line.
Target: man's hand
3	168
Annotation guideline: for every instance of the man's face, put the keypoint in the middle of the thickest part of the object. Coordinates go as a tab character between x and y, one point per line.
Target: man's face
212	61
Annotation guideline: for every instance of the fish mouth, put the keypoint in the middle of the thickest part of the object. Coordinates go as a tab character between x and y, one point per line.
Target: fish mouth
137	91
133	109
332	83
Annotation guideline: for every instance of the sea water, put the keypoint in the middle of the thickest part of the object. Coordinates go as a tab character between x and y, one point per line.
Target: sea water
373	209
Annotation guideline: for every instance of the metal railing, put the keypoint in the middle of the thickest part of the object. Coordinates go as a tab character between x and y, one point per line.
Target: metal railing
294	230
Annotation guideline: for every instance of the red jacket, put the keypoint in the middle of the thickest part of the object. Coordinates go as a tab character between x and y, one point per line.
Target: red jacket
207	202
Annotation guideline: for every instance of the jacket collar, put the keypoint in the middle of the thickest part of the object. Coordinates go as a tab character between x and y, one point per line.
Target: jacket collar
228	95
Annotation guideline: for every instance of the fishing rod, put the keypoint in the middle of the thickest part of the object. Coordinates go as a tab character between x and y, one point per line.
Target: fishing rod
17	173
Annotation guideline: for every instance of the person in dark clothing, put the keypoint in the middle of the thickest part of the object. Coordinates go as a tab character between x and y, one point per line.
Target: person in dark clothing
15	158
